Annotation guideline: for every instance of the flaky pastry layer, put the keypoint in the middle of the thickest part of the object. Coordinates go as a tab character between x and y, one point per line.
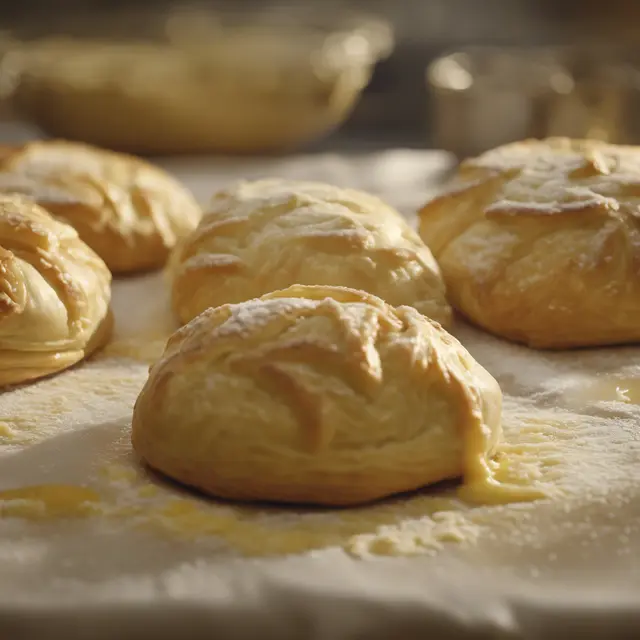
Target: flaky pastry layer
54	293
267	235
316	394
539	242
128	211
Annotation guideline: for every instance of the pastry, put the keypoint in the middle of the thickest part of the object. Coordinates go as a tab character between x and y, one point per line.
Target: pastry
539	242
128	211
269	234
54	293
316	394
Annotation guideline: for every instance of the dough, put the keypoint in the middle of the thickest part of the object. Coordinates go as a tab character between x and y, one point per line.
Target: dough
267	235
130	212
539	242
54	294
316	394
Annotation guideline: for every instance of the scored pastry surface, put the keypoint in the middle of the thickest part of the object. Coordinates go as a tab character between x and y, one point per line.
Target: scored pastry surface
317	394
54	293
269	234
129	211
539	242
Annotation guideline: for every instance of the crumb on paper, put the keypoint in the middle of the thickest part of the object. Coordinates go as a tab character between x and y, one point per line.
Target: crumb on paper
116	473
540	446
48	502
425	523
622	395
422	537
19	430
415	525
6	432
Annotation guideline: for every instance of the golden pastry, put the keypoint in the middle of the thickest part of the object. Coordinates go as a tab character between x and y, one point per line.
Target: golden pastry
54	293
269	234
316	394
128	211
539	242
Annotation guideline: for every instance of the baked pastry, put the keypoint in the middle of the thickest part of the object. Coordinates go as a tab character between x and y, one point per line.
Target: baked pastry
54	294
318	395
128	211
269	234
539	242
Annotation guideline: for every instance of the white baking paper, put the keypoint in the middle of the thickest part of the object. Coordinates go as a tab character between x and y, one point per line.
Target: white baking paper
150	559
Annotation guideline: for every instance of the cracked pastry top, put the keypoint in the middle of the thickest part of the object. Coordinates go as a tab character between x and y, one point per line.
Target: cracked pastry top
269	234
128	211
320	395
539	242
54	293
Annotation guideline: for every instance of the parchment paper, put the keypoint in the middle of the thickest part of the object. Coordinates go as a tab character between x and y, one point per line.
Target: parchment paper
148	559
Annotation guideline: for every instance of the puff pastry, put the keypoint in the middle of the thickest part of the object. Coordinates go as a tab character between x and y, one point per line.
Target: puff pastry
54	293
316	394
269	234
539	242
130	212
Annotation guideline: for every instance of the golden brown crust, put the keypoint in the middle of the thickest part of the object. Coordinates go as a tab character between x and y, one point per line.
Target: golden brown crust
269	234
539	242
128	211
315	394
54	294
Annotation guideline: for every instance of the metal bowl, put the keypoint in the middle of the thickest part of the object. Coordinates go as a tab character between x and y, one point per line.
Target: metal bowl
198	81
485	97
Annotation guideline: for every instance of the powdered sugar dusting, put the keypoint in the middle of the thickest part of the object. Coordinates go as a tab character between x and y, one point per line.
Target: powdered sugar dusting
277	208
207	260
249	317
558	175
486	252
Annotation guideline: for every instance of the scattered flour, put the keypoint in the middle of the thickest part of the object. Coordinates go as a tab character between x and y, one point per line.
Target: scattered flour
570	422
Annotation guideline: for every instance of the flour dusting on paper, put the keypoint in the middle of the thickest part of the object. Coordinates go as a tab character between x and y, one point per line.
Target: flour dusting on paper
578	451
571	422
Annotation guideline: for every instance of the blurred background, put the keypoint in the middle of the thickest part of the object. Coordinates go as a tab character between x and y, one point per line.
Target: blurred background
249	77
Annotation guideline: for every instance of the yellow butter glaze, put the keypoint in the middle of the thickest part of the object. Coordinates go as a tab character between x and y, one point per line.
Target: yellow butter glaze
52	501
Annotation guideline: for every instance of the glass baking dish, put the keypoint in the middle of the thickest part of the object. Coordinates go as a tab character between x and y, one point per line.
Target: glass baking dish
195	80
